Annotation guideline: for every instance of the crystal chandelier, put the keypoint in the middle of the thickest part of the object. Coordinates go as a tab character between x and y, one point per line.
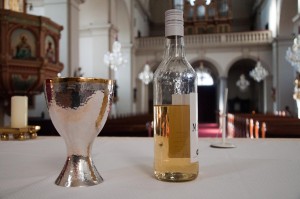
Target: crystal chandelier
146	76
204	77
115	58
192	2
259	72
242	83
293	54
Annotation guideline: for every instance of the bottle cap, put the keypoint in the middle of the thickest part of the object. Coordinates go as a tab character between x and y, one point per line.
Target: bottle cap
173	22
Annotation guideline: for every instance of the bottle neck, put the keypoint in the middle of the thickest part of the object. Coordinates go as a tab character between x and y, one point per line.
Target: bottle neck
174	47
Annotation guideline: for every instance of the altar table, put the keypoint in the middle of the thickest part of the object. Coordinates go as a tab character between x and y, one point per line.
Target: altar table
255	169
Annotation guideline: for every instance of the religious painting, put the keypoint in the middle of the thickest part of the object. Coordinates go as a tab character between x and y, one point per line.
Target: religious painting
15	5
50	49
23	44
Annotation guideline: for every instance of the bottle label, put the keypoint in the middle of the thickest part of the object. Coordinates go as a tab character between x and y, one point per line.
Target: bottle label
192	101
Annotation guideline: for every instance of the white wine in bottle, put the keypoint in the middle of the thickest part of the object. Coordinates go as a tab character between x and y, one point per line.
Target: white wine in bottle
175	108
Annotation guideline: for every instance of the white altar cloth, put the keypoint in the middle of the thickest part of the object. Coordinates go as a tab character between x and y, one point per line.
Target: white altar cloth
256	169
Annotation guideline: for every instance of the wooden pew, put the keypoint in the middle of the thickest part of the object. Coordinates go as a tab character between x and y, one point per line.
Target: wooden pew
133	126
263	126
279	127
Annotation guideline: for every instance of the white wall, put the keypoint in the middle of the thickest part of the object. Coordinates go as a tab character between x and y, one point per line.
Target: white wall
73	37
37	9
94	13
141	22
94	37
124	75
265	16
93	46
85	56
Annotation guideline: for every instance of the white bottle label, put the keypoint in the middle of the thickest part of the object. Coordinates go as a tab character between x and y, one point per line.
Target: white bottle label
191	100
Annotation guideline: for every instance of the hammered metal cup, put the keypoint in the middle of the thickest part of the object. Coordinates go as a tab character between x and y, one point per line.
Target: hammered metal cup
78	108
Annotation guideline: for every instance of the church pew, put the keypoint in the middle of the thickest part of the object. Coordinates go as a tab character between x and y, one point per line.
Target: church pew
121	130
263	125
276	127
135	125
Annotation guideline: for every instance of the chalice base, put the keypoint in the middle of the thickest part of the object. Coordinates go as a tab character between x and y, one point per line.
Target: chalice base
78	171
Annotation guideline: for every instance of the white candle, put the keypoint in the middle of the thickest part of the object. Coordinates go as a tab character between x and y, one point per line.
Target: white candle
19	111
224	116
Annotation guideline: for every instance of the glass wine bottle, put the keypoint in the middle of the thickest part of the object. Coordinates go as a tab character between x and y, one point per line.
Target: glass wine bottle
175	108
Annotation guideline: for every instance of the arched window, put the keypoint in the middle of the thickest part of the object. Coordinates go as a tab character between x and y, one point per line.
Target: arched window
178	4
191	13
223	8
201	12
211	12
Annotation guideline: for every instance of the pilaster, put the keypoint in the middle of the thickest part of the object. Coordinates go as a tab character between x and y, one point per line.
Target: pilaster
66	13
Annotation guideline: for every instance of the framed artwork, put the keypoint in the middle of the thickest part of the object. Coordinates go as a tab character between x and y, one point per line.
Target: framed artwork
50	49
15	5
23	44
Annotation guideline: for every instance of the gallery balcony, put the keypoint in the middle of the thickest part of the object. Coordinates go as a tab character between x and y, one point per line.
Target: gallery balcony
210	40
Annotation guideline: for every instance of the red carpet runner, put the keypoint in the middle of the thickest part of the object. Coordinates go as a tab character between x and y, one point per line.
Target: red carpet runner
209	130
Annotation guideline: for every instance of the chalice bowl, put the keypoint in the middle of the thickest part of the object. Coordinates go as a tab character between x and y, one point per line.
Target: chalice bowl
78	108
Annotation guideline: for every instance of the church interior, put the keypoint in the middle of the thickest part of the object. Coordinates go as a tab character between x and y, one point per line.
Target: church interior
93	104
245	54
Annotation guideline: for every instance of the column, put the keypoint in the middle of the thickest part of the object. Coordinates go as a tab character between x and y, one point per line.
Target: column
2	112
268	98
142	98
222	87
124	76
275	92
223	103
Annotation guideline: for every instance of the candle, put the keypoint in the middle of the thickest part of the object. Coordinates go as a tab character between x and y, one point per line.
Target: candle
19	111
224	116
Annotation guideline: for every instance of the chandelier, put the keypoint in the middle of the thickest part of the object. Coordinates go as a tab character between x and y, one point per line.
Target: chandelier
242	83
258	73
115	58
204	77
192	2
293	54
146	76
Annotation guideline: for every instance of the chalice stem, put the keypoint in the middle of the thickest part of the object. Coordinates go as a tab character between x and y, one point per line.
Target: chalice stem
78	171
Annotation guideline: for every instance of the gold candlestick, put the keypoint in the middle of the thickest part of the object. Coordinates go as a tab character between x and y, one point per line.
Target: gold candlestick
28	132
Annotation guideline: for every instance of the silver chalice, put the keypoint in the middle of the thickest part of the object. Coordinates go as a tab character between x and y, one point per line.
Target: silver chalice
78	108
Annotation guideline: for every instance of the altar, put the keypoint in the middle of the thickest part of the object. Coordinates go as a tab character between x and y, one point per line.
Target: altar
261	168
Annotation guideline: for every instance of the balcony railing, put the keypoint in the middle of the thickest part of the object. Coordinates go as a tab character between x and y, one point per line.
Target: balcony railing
211	40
